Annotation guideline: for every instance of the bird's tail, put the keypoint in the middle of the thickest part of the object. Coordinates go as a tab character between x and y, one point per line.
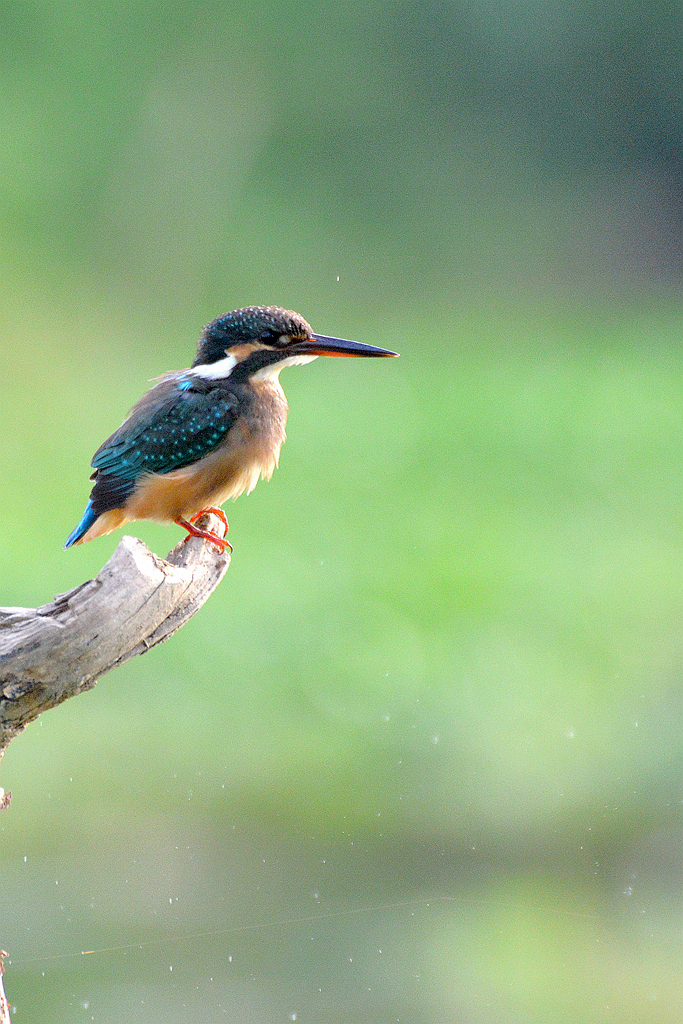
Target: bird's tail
86	522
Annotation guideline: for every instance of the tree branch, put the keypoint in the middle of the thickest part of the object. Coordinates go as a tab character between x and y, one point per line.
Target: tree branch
4	1005
137	600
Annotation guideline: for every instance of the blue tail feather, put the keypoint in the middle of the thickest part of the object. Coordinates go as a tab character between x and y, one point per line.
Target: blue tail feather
86	522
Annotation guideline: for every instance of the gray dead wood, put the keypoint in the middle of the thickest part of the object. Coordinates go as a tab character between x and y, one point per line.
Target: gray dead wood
51	653
4	1005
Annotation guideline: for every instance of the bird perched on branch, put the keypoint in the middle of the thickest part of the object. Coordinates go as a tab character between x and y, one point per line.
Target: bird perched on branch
206	434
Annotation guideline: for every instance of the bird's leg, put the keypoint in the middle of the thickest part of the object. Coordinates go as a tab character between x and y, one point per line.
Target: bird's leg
194	531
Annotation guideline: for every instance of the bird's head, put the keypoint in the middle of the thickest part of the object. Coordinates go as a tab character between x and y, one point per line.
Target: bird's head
258	341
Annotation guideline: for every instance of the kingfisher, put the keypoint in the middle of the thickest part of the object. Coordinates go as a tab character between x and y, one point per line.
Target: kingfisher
207	433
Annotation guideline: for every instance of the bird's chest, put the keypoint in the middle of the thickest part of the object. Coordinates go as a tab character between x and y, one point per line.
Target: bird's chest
251	448
265	416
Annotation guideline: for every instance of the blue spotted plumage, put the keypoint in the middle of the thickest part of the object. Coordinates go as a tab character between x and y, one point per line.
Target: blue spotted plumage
208	433
177	423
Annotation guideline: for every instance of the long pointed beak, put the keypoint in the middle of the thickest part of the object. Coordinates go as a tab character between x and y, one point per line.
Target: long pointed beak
319	345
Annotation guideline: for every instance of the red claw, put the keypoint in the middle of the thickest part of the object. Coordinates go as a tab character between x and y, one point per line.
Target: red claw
194	531
216	511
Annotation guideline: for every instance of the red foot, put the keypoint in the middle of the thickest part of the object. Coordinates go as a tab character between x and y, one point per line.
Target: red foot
194	531
216	511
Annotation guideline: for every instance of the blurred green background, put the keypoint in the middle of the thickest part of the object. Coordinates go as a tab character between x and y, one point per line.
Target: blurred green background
419	757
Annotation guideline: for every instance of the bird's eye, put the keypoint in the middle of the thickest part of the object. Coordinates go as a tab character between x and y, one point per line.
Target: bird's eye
269	337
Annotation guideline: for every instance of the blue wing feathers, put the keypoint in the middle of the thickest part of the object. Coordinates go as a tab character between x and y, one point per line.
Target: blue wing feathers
171	427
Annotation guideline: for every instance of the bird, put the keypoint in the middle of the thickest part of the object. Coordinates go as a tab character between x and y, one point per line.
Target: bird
207	433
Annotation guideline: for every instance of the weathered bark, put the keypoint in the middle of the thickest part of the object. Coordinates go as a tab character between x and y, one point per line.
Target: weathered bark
4	1005
51	653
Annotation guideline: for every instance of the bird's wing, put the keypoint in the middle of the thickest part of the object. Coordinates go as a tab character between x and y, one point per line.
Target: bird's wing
177	423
